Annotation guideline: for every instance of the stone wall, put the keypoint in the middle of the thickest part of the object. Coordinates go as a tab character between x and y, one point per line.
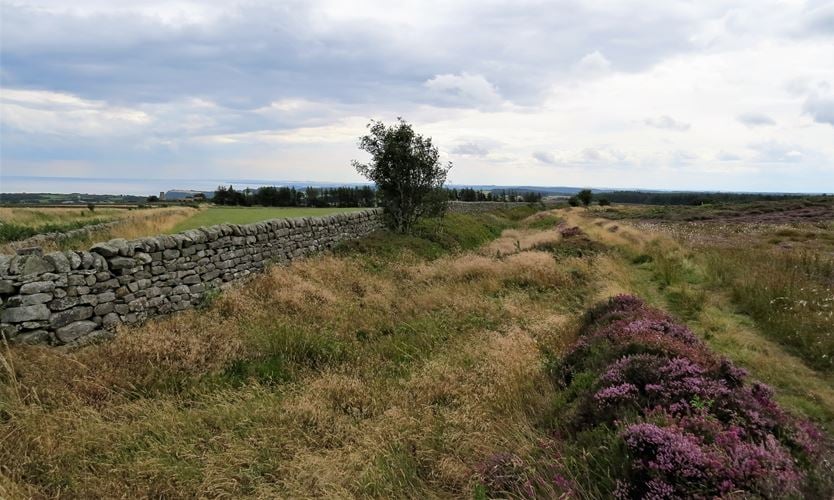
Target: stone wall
71	297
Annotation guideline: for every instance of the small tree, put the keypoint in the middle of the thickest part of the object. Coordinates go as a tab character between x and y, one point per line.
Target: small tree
603	202
572	201
585	197
91	207
406	169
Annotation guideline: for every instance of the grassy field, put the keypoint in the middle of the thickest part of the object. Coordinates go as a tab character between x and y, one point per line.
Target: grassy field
21	223
396	366
246	215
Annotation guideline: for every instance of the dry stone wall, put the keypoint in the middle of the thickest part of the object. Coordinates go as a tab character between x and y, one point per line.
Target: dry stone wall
71	297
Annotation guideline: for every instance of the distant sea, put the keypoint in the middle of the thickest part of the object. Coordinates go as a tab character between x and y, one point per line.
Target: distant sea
140	187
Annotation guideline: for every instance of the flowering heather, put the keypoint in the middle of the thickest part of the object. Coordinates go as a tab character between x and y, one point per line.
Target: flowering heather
569	232
689	423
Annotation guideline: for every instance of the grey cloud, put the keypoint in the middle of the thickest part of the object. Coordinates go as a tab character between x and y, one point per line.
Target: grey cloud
668	123
545	157
257	53
821	109
755	119
725	156
464	90
819	17
471	149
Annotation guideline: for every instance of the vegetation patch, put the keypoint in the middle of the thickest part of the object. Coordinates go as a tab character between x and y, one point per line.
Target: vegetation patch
248	215
648	410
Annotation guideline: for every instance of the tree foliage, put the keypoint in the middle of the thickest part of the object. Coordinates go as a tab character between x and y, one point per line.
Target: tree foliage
272	196
584	196
406	168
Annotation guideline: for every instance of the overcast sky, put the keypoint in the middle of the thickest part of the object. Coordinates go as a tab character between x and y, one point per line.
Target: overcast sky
702	94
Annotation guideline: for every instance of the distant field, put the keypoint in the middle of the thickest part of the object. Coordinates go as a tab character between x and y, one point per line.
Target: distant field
246	215
17	224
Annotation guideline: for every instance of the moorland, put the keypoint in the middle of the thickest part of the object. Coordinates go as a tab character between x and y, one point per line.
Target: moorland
465	360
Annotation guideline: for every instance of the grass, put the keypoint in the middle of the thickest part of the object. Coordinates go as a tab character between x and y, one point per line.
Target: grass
382	370
246	215
395	366
20	223
683	279
724	210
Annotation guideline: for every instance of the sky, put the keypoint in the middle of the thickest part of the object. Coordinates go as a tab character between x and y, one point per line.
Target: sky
689	95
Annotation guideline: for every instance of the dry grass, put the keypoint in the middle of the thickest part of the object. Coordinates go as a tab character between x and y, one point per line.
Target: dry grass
679	278
345	376
516	240
132	224
55	215
330	377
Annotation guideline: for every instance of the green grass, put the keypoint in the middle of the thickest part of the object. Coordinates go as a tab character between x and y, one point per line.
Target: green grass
247	215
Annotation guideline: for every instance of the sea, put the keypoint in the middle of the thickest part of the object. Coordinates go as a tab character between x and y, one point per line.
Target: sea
138	187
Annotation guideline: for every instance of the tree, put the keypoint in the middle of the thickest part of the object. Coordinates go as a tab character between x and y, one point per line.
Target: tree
585	197
153	198
603	202
572	201
406	168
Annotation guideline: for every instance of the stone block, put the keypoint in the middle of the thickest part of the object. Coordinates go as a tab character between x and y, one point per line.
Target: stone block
37	287
63	318
75	330
59	261
122	263
34	312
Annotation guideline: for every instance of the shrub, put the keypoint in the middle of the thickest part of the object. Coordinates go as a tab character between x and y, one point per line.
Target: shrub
689	423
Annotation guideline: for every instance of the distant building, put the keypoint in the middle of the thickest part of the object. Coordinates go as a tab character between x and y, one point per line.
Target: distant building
162	196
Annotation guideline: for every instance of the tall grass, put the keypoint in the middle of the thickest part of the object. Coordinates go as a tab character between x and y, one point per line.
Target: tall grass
381	370
130	224
790	295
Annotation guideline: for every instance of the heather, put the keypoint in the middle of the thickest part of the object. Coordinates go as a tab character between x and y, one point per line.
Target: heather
683	421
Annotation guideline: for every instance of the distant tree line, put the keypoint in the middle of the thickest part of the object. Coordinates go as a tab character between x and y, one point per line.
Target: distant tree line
469	194
347	196
272	196
690	198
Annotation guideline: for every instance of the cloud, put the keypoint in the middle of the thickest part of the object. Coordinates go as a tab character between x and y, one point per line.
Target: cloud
821	109
726	156
465	90
545	157
668	123
268	89
593	64
755	119
820	18
471	149
778	152
55	113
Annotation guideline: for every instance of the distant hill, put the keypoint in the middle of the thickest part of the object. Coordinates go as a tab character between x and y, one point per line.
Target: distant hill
68	199
181	194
